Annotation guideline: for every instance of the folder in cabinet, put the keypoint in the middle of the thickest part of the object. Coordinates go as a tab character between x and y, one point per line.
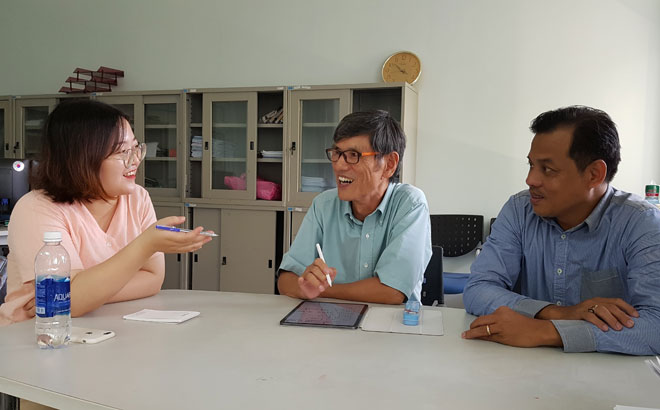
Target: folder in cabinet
390	319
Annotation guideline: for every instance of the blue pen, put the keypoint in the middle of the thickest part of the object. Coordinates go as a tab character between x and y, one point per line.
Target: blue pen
173	229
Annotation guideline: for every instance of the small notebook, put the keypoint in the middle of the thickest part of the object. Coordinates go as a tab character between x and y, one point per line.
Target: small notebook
390	319
162	316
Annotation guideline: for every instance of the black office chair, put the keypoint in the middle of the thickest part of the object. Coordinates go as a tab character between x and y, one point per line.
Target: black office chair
458	235
432	290
490	227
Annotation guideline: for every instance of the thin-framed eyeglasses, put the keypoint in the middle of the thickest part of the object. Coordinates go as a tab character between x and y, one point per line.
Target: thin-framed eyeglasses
130	155
351	156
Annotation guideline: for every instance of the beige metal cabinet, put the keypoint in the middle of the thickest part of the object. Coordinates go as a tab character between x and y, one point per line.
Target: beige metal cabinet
29	117
247	243
229	145
294	218
164	139
205	265
314	117
235	146
6	134
156	119
175	264
132	106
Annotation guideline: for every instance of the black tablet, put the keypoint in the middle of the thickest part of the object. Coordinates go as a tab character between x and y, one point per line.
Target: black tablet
326	314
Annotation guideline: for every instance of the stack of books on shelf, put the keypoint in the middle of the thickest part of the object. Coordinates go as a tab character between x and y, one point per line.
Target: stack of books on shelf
274	117
314	184
196	146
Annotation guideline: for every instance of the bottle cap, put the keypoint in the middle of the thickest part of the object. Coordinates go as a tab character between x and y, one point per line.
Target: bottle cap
52	236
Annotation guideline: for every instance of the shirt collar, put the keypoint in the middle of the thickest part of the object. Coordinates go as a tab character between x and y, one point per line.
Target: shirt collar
348	211
594	218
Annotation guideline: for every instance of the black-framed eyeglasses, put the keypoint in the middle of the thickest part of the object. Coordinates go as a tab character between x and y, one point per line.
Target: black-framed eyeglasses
351	156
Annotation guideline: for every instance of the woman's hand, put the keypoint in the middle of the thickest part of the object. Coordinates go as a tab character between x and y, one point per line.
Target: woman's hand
174	242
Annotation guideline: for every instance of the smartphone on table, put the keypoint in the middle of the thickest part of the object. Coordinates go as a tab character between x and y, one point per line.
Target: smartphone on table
90	336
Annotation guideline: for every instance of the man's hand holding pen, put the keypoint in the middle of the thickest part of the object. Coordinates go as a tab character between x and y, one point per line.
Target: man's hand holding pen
313	281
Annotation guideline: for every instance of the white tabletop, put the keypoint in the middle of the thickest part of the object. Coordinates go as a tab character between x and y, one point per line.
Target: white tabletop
235	355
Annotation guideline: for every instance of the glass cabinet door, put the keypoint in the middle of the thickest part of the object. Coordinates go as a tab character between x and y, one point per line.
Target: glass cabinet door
229	154
5	134
133	107
161	131
28	132
315	115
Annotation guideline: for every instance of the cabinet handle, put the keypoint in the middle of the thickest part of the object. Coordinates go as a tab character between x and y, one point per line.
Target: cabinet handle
293	146
270	264
224	260
7	147
16	146
195	258
251	145
178	257
206	145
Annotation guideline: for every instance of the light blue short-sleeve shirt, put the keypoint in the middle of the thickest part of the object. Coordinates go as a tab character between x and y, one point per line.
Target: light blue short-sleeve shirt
393	242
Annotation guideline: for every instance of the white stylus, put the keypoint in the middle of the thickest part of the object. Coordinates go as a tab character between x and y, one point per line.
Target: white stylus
327	277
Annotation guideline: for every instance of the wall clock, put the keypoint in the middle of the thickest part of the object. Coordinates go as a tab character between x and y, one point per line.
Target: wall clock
402	66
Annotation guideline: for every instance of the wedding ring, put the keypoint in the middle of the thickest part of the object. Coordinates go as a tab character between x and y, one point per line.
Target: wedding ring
488	330
591	309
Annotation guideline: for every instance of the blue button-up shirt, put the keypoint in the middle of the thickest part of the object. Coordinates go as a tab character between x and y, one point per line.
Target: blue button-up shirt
393	242
615	252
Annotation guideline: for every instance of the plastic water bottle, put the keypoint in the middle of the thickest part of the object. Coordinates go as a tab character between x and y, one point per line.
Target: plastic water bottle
652	191
52	270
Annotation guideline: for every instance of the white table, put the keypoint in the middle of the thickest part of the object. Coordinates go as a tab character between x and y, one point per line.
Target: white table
235	355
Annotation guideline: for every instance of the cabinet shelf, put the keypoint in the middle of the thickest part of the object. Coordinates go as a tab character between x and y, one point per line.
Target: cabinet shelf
195	125
316	161
160	126
319	124
269	160
194	159
270	125
228	125
219	159
160	158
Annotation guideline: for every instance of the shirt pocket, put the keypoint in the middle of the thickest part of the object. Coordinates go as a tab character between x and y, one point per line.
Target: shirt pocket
603	283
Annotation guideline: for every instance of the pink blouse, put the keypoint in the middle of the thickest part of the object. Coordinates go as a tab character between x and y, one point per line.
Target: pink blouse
82	237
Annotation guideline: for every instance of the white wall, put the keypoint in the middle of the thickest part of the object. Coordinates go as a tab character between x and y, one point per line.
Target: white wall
489	67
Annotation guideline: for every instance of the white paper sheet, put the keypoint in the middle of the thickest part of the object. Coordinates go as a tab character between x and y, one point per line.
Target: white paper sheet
162	316
390	319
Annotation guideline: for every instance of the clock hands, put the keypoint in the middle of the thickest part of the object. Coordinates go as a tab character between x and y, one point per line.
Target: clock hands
399	68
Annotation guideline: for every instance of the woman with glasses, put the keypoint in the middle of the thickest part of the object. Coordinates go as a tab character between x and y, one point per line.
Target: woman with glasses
84	187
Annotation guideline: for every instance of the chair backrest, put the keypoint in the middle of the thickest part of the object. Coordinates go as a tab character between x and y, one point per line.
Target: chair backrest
3	279
457	234
432	288
490	227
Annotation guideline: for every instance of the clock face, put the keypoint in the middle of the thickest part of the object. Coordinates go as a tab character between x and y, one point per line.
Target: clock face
403	66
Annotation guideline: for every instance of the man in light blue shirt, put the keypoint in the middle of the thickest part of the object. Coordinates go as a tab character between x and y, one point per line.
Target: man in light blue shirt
585	255
374	233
